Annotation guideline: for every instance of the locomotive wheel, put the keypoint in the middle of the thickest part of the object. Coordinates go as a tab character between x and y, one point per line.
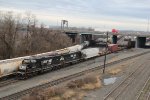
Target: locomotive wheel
70	63
42	71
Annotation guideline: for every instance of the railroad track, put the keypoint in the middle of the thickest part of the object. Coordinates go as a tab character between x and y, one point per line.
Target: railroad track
10	79
18	95
145	91
119	89
7	82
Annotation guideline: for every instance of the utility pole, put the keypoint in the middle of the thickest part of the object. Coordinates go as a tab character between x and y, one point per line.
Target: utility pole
105	53
148	25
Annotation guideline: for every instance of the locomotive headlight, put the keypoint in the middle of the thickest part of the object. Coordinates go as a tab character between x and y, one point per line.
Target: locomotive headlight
22	67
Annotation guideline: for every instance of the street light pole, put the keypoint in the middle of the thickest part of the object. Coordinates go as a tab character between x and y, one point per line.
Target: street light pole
105	53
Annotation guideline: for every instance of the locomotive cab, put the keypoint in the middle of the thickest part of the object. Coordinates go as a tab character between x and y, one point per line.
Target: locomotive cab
26	66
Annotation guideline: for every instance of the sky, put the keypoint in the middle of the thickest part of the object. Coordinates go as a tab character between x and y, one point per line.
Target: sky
98	14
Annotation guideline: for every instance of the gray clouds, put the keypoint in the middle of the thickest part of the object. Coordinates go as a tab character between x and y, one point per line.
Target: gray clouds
114	10
125	8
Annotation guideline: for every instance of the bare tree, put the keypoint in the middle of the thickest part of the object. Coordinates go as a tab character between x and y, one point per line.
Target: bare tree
20	36
30	22
9	29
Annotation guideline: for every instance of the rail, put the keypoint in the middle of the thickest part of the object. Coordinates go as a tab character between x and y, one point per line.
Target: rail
142	93
18	95
119	89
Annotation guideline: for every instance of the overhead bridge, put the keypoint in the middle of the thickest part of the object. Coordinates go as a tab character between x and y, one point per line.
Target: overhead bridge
84	36
87	36
140	37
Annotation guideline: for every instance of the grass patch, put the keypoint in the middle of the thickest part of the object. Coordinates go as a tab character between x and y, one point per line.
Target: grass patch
73	90
55	98
114	71
47	94
1	73
34	96
68	94
93	83
87	83
80	95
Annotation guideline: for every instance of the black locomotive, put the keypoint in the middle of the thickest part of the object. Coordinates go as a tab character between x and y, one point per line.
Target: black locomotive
37	65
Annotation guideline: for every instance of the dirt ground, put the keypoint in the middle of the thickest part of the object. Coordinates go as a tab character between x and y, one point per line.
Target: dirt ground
87	87
119	72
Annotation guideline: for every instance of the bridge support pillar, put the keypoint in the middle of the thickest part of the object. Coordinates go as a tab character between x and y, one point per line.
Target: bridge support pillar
140	42
72	36
85	37
114	39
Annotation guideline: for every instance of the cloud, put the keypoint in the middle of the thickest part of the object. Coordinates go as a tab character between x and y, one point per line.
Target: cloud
123	14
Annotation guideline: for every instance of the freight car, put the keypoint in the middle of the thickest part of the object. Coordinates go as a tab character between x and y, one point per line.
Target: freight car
37	65
113	47
127	43
11	66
